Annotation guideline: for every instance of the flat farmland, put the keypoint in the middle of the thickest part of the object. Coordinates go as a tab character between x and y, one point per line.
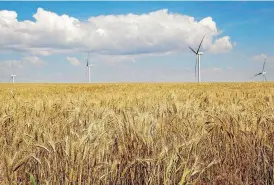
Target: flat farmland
161	133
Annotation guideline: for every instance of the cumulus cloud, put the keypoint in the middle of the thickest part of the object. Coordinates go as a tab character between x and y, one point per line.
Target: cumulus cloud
262	57
21	63
221	45
129	34
74	61
32	60
113	58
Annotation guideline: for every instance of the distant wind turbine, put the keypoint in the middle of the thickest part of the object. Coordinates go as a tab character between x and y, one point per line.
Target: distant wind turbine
12	78
88	67
198	54
263	72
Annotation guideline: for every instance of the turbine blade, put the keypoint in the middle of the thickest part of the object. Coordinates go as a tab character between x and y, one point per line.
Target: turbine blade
200	44
265	78
196	67
87	59
264	64
192	50
257	74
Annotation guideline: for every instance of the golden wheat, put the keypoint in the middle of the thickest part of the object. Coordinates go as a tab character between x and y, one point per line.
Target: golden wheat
209	133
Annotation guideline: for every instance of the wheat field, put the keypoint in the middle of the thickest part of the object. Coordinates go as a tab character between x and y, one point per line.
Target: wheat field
184	133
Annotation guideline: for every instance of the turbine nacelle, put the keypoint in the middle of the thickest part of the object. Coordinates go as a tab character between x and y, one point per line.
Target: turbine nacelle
200	53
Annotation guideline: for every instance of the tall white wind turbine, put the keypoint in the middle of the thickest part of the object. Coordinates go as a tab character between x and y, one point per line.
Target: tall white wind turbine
12	77
88	68
198	59
263	72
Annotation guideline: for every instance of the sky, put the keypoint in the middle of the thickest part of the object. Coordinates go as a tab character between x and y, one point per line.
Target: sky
135	41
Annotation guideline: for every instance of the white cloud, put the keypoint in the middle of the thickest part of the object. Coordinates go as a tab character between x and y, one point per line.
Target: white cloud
10	64
262	57
74	61
113	58
21	63
32	60
221	45
130	34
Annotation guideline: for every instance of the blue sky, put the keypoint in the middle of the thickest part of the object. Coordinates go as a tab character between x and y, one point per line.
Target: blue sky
51	48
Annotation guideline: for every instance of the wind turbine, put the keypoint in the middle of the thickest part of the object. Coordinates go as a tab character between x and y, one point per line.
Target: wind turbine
198	59
88	67
12	77
263	72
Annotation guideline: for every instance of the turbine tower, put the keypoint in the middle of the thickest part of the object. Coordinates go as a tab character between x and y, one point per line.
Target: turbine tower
88	68
263	72
12	78
198	59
